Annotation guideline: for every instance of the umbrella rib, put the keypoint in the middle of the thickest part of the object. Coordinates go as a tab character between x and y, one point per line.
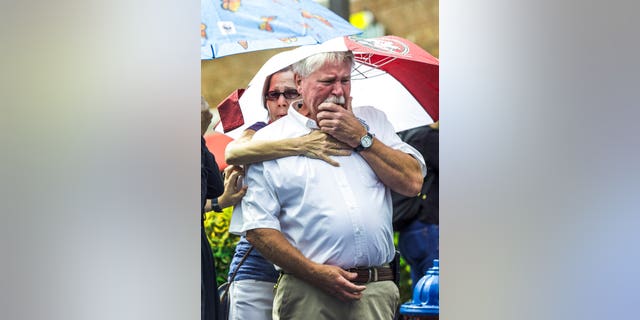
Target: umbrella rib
358	74
365	58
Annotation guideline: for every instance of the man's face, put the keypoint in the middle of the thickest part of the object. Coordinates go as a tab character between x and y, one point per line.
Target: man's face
281	92
332	79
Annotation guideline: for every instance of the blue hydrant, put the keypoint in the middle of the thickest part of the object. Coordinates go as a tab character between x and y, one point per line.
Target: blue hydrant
425	303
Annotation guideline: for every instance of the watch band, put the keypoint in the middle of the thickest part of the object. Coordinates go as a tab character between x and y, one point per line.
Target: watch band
215	206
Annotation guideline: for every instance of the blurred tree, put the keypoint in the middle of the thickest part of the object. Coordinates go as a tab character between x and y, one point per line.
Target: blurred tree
222	243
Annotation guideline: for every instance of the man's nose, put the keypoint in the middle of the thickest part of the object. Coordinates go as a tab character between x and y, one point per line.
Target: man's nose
282	100
338	89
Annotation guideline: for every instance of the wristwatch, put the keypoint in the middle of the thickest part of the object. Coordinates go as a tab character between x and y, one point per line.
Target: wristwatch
365	142
215	206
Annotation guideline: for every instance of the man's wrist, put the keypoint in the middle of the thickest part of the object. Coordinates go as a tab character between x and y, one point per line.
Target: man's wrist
365	142
215	206
364	133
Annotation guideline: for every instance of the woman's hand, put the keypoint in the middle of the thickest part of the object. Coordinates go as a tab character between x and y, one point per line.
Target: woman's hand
233	188
319	145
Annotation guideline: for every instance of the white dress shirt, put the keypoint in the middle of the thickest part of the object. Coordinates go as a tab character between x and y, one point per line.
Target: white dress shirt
334	215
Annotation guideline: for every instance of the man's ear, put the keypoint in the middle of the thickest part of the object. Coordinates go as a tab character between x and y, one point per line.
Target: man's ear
298	81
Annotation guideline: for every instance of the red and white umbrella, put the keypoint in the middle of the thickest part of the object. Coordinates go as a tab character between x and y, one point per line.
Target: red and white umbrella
413	67
390	73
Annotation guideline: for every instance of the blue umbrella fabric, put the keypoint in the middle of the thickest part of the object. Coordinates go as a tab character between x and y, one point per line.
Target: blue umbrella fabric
237	26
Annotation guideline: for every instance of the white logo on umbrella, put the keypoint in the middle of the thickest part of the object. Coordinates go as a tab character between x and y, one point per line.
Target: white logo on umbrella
384	45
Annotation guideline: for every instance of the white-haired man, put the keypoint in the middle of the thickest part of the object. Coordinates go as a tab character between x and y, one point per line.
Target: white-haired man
328	228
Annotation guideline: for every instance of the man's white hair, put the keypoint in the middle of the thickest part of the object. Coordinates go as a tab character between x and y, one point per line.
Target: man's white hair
312	63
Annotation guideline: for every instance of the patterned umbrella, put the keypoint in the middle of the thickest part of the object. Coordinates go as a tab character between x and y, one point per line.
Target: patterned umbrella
237	26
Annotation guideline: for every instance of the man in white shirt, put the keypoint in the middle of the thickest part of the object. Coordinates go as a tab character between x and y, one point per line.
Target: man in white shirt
329	228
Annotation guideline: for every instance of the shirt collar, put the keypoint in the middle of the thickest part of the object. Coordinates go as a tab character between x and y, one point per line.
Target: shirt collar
302	120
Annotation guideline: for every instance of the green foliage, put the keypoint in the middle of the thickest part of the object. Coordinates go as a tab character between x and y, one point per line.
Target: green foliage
223	244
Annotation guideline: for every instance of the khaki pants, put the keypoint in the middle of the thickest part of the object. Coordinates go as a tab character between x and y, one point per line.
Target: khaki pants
296	299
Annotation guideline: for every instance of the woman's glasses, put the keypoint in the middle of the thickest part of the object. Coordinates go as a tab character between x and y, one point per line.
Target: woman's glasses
288	94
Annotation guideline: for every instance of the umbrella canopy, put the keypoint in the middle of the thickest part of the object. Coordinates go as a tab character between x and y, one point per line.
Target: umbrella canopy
237	26
217	143
412	66
371	84
381	90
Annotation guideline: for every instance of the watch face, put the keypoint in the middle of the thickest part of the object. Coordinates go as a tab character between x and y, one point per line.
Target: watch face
366	141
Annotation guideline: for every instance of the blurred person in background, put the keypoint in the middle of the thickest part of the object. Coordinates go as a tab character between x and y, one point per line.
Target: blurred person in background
211	186
416	218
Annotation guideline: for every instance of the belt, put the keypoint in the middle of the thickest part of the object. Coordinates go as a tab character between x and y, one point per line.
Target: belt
373	274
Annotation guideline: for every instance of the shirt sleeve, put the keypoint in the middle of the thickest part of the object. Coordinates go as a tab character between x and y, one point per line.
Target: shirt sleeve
426	140
257	126
260	205
380	126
